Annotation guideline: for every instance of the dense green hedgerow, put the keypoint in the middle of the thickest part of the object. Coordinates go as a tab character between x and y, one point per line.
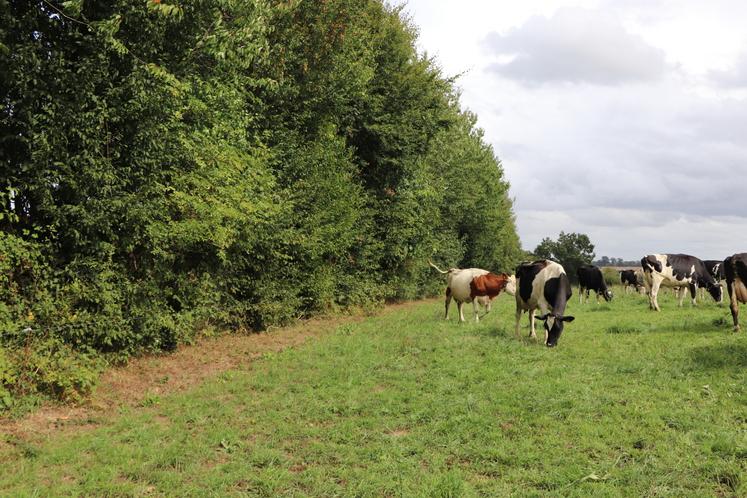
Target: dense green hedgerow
168	168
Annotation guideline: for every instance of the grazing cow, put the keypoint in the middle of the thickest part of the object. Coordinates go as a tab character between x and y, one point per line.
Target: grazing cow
628	278
543	285
590	278
715	268
735	271
469	284
676	270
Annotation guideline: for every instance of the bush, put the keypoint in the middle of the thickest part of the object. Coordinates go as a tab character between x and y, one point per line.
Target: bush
611	276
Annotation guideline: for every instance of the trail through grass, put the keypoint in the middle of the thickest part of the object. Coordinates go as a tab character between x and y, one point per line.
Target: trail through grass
631	403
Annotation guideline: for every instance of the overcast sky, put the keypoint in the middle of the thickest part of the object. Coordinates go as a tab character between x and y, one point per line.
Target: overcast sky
624	120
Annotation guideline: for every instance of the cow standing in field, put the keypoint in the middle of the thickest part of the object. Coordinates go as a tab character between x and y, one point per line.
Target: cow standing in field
590	278
735	271
473	285
630	278
543	285
715	268
676	270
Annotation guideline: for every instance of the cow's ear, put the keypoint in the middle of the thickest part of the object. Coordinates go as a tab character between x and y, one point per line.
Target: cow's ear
568	318
544	317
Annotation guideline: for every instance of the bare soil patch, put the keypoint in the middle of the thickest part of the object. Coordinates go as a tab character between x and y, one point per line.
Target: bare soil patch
158	375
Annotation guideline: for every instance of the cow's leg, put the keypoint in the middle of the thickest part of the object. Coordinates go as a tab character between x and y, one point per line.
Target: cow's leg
518	320
461	311
733	304
597	297
648	284
680	296
693	291
580	294
476	310
447	303
532	333
654	293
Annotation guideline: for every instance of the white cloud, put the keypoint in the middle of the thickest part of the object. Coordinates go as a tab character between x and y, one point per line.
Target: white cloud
575	45
733	77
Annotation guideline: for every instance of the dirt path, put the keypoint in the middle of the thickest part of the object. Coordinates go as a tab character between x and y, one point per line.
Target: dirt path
159	375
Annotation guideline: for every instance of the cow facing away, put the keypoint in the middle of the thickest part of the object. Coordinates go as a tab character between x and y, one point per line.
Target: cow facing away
735	271
473	285
677	270
629	278
590	278
543	285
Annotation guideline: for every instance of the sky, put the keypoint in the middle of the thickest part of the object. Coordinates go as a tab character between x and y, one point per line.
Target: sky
623	120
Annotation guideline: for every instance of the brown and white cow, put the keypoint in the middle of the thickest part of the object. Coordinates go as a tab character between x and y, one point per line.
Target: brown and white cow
735	271
543	285
678	271
474	285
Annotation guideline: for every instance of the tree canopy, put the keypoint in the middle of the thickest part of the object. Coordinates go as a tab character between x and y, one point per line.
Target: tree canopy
570	250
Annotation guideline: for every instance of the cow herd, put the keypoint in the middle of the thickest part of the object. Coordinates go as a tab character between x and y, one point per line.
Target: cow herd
543	285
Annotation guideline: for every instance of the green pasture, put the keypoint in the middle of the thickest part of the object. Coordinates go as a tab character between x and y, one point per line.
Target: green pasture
631	403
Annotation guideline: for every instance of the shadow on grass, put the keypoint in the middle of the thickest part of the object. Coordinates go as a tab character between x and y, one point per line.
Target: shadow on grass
720	356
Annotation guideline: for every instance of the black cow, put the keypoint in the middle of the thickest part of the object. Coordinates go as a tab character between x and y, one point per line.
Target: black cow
735	270
677	270
628	278
590	278
543	285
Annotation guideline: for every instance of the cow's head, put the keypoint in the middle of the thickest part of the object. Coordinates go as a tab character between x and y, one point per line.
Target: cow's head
554	327
607	294
716	292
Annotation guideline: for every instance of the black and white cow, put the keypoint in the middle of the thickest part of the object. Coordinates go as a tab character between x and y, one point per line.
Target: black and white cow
543	285
630	278
676	270
716	268
735	271
590	278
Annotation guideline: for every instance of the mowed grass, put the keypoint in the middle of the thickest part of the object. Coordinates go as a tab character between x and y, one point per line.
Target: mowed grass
631	403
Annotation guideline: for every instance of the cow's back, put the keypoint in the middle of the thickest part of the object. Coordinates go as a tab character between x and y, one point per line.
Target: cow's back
531	279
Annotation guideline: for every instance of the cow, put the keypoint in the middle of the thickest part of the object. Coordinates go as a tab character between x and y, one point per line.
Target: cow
735	271
543	285
716	268
473	285
677	270
628	278
590	278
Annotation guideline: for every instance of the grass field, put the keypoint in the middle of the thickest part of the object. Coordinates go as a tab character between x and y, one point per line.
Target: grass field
631	403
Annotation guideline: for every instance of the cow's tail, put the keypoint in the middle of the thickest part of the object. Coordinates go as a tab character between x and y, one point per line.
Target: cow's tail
436	267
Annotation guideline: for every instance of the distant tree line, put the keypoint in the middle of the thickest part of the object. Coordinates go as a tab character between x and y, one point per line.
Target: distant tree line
605	261
170	168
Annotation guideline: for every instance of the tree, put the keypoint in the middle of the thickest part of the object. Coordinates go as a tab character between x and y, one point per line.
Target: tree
570	250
